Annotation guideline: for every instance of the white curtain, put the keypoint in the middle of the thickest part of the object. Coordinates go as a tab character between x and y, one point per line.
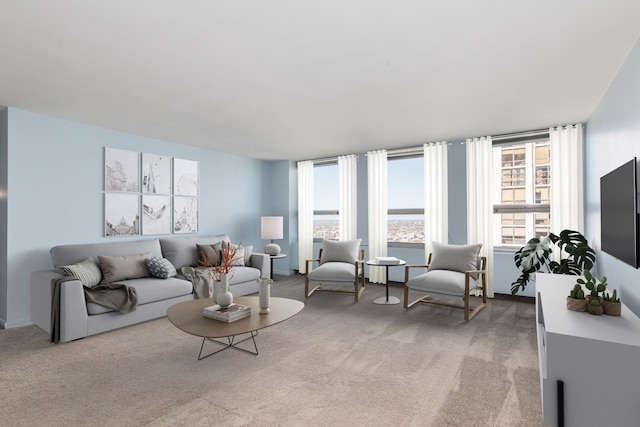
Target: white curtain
305	213
348	178
567	188
377	186
479	201
436	195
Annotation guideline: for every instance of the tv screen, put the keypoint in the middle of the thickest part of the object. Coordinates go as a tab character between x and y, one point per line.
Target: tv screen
618	213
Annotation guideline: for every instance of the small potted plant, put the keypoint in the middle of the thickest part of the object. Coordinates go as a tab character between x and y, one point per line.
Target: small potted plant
611	304
596	287
576	300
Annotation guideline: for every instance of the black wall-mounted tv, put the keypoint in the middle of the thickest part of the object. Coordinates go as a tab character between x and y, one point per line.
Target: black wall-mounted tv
619	213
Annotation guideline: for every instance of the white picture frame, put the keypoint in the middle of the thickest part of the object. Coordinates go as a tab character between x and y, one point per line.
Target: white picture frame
156	214
185	177
156	174
121	170
121	214
185	214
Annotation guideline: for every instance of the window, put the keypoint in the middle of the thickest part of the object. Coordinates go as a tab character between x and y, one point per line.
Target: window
522	203
326	201
405	201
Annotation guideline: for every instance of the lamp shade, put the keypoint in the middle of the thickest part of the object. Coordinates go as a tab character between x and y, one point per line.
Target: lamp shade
271	227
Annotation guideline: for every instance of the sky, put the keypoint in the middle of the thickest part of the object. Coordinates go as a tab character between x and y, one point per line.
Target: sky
405	180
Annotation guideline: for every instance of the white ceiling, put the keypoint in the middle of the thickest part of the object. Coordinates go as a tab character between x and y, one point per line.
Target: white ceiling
296	79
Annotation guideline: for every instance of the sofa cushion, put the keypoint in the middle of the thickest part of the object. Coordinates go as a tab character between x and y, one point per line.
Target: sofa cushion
150	289
243	274
72	254
444	282
340	251
160	267
333	272
87	271
208	255
116	268
183	252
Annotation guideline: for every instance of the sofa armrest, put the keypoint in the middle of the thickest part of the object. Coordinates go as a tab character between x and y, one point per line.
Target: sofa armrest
263	263
73	306
41	298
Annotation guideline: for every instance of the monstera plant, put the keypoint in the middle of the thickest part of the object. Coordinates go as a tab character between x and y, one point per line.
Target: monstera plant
575	256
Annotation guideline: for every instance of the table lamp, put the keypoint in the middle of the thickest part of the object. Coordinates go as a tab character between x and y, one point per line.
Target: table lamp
271	228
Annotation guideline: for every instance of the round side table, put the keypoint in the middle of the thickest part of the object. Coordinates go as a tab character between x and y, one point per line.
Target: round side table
386	299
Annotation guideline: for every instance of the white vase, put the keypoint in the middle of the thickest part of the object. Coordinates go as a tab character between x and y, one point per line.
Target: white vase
264	295
224	297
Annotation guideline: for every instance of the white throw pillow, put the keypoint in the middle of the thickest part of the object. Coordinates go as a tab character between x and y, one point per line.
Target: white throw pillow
87	271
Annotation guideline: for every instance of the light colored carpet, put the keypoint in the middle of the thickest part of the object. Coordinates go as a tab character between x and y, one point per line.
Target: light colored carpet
335	363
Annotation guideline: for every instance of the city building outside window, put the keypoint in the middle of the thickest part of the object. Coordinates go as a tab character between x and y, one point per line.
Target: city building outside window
521	202
405	201
326	201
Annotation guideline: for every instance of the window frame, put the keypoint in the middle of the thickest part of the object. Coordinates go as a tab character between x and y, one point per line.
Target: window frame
328	212
529	207
406	154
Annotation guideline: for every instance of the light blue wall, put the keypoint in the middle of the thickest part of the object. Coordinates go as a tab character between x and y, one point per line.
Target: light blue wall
613	138
55	183
4	161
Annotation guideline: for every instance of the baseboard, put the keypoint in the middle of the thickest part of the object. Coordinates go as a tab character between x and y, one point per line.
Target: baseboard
8	325
516	298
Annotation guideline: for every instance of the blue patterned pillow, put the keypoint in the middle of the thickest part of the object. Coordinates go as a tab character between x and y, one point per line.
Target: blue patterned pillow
160	267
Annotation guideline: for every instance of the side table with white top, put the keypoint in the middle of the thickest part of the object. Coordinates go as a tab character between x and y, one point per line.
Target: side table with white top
386	299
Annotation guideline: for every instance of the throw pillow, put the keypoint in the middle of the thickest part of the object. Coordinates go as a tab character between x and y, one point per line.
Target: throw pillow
459	258
340	251
160	267
242	256
248	250
208	256
87	271
116	268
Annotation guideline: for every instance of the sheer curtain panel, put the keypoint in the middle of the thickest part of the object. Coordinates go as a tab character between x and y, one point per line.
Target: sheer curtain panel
567	188
305	213
377	186
479	202
436	195
348	177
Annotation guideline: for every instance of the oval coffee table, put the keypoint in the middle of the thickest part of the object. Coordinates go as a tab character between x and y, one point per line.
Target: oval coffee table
187	316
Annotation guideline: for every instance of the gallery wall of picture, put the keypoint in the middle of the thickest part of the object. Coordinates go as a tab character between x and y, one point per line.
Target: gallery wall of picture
149	194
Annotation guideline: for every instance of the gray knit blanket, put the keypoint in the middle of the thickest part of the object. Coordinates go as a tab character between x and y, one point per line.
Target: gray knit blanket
117	296
201	279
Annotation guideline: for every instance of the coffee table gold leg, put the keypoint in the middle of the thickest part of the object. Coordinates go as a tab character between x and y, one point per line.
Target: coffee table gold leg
231	343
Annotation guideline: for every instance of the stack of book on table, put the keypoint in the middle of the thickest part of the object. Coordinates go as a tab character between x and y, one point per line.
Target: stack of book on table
227	314
387	260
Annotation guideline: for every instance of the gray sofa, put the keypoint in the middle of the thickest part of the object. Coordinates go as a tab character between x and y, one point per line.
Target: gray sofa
79	319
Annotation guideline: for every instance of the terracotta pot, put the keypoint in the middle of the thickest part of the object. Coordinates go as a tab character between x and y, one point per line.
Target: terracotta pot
612	308
577	304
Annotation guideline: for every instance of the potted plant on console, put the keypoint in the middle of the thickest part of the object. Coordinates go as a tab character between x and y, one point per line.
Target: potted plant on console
576	300
575	256
611	304
596	287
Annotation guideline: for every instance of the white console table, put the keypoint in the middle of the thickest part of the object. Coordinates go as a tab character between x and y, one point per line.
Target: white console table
589	365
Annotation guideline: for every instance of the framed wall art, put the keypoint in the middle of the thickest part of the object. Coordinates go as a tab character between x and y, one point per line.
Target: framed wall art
121	214
185	214
121	170
156	214
185	177
156	174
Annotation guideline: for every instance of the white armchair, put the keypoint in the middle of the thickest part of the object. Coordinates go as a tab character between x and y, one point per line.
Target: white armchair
340	269
452	271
